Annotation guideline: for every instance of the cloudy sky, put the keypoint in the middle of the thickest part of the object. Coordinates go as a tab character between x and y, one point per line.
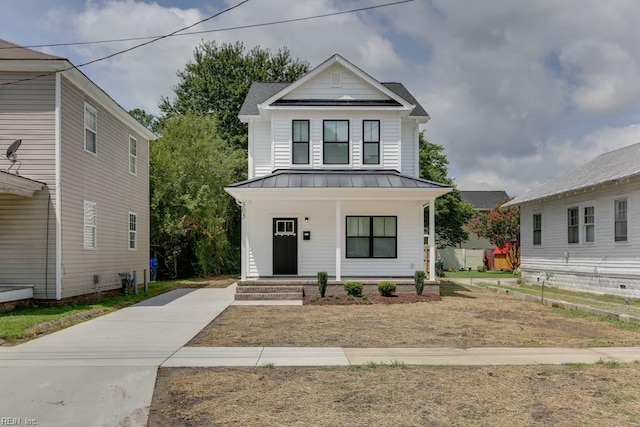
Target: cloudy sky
518	91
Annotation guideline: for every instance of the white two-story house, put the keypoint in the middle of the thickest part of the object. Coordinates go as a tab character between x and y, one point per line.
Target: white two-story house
333	178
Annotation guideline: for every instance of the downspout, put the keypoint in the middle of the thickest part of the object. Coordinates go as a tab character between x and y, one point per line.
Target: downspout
58	186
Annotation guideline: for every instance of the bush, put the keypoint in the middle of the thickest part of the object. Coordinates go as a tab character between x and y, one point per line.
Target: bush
322	283
353	288
387	289
418	281
481	269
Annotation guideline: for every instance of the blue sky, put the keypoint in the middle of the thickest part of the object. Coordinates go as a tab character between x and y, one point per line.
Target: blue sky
518	91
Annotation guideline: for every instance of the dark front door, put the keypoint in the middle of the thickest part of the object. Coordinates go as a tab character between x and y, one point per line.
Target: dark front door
285	246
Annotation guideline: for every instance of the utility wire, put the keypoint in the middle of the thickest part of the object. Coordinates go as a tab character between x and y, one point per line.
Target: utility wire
120	52
241	27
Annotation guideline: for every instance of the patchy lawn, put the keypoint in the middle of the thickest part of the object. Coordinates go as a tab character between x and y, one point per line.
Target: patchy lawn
373	395
24	324
493	274
466	317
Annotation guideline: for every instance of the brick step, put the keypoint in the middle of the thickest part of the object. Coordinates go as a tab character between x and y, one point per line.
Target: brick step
263	296
267	289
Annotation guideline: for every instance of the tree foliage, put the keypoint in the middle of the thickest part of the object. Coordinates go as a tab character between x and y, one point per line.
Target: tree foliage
218	78
147	120
452	213
502	228
194	222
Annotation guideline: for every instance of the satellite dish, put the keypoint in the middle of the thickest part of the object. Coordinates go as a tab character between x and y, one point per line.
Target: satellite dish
13	148
12	156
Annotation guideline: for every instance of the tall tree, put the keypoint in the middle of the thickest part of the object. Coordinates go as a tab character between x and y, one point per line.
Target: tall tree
146	119
194	222
502	228
452	213
218	78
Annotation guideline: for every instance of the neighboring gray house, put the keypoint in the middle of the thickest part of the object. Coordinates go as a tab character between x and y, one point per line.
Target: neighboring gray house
482	201
333	178
74	205
582	230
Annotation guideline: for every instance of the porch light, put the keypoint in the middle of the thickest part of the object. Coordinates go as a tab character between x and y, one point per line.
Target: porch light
306	220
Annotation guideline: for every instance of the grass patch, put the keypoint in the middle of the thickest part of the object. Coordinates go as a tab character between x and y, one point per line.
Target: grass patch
575	366
493	274
18	325
612	364
635	327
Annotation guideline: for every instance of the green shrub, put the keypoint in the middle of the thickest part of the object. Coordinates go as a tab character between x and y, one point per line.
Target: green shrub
322	283
387	289
418	281
314	298
353	288
481	269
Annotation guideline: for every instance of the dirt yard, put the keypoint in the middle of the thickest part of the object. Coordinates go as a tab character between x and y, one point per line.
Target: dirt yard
464	318
571	395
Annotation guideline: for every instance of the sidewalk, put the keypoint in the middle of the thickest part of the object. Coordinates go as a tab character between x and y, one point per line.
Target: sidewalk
335	356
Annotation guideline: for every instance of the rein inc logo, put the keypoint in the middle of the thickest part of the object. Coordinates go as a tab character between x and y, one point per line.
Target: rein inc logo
18	421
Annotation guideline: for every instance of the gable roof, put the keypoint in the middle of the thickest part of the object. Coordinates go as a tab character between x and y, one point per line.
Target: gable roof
607	168
341	178
484	200
10	50
270	93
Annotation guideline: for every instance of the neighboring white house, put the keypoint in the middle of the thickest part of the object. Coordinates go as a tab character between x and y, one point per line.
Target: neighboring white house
333	177
582	230
74	203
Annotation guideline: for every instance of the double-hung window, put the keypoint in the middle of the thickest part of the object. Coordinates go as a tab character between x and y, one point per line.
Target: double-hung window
589	224
133	155
537	229
90	225
300	130
133	230
620	220
335	136
573	226
372	237
90	129
371	142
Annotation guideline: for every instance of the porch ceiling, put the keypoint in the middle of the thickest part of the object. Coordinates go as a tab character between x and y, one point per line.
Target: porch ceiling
17	185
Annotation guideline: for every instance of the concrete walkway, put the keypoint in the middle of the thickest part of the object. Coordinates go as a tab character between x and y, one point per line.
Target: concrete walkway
102	372
335	356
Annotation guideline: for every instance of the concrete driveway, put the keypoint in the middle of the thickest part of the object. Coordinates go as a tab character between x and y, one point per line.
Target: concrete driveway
102	372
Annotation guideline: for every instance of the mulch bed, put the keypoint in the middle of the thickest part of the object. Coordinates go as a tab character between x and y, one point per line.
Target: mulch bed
369	299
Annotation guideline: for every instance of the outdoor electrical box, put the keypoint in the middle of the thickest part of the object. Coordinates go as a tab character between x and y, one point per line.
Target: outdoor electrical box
306	235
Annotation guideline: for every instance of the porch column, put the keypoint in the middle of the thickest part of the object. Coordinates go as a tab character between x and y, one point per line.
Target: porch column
244	239
338	239
432	239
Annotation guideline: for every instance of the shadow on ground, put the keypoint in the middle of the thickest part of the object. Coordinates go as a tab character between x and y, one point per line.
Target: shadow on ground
450	289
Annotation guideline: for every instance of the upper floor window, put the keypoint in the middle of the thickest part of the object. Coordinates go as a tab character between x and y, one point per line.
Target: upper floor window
300	129
90	225
335	136
133	155
573	227
537	229
589	224
620	220
371	142
90	129
133	230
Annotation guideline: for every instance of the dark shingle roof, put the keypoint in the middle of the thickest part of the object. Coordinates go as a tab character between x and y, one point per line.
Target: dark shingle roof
261	91
484	200
313	178
10	50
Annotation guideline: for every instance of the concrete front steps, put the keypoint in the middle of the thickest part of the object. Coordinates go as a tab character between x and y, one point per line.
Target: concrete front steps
269	292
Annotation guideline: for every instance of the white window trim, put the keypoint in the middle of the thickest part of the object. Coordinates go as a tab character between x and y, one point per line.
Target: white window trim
89	107
567	224
350	141
95	226
541	229
613	236
134	157
129	231
583	224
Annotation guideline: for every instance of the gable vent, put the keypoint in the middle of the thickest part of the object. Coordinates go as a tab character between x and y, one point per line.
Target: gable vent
336	79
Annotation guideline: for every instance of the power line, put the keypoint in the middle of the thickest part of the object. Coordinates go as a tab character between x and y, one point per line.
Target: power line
120	52
241	27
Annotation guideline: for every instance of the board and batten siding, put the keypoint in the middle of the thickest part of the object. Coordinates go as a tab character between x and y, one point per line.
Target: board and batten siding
601	266
281	133
351	87
260	133
104	179
27	239
319	253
